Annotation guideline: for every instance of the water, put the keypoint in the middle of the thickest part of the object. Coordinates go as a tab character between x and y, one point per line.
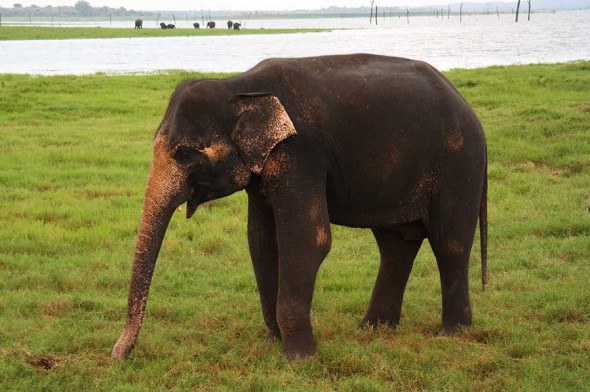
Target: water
445	43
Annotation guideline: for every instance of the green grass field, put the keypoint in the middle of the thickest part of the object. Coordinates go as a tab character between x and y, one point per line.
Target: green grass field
74	156
36	32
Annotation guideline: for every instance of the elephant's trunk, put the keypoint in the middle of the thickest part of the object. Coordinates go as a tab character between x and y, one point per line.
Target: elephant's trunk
163	194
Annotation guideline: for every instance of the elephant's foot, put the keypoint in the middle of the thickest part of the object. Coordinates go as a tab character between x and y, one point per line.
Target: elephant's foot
374	321
450	328
299	345
296	348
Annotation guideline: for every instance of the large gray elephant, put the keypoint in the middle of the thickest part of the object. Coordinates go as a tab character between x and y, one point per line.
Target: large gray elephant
358	140
138	24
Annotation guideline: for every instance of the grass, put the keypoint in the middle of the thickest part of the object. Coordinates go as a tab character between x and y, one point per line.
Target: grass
37	32
74	155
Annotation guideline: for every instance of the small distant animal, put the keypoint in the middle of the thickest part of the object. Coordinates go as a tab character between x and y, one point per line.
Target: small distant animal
170	26
196	25
139	24
237	26
163	26
211	25
229	24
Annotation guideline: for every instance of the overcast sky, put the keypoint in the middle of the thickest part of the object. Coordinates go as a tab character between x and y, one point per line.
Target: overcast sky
233	4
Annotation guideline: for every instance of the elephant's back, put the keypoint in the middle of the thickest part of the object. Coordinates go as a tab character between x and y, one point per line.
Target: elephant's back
383	121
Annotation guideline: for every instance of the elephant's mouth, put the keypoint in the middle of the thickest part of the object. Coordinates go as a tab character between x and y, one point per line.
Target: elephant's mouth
198	195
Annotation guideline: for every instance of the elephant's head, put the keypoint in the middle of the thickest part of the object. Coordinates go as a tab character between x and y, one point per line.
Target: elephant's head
206	147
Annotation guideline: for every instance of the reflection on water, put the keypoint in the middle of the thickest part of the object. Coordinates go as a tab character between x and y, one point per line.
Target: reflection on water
478	41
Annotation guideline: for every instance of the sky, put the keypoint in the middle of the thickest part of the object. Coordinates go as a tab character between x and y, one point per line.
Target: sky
234	4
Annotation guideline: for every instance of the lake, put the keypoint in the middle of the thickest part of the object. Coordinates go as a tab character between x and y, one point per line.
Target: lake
480	40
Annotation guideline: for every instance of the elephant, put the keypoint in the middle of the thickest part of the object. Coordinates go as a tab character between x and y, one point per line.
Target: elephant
359	140
211	25
139	24
163	26
196	25
230	24
170	26
237	26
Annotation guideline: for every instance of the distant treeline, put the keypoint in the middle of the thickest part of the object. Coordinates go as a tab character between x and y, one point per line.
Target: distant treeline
81	9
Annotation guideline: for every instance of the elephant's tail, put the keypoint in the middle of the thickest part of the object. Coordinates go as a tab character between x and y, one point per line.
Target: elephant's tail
483	230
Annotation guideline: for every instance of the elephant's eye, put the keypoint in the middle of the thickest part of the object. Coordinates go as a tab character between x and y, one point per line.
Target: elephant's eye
184	155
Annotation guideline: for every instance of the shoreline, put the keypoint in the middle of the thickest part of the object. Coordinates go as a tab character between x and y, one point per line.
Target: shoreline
34	33
221	74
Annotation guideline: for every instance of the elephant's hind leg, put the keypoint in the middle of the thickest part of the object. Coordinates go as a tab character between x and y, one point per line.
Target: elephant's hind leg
397	259
451	237
452	257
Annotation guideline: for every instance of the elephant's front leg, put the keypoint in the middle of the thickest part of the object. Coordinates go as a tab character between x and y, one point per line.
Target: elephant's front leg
303	237
263	250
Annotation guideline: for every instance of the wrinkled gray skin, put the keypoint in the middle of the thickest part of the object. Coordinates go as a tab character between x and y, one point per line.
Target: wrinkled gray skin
359	140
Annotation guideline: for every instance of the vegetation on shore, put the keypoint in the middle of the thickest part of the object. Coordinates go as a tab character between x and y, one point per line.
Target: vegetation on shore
38	32
74	156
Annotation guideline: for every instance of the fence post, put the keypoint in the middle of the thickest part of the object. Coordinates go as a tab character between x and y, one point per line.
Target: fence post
529	10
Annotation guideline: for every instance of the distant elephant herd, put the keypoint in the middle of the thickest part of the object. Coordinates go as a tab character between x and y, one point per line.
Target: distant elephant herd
196	25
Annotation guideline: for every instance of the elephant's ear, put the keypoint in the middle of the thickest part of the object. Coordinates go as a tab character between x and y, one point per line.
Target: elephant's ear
262	124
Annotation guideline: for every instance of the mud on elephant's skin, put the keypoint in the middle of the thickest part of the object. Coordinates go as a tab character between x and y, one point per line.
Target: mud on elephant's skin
313	141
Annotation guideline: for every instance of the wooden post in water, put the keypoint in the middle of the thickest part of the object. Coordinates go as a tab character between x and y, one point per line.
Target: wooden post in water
408	14
371	16
529	9
173	17
376	16
517	9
